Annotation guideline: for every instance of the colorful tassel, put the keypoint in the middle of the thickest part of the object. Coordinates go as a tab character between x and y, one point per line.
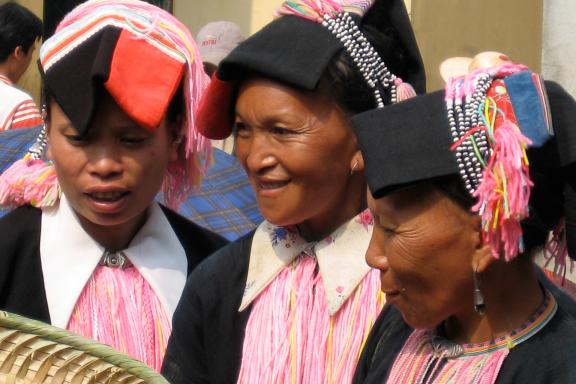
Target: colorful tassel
404	91
503	186
315	10
504	191
29	181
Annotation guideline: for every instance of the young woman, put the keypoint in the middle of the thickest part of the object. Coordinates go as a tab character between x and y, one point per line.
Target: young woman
99	256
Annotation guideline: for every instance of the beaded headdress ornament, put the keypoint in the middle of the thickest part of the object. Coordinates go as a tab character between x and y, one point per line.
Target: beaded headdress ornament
336	16
163	40
298	46
490	143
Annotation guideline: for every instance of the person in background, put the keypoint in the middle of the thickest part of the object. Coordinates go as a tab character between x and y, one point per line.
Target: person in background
294	300
88	249
19	31
215	41
477	178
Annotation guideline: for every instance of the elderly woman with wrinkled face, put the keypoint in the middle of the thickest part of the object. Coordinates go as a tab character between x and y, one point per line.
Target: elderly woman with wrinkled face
294	300
455	247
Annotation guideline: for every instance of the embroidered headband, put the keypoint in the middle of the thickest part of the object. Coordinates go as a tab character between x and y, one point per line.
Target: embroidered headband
485	127
139	54
296	48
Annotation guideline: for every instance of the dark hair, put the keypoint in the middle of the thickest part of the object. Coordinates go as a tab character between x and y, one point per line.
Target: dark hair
345	81
18	27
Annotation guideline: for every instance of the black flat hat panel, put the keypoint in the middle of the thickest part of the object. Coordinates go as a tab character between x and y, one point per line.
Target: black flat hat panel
405	143
291	50
76	80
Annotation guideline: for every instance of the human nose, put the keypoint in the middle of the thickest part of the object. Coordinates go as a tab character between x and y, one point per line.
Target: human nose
105	161
259	155
375	255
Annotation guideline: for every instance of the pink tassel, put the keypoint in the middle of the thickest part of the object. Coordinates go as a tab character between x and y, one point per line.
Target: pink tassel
29	181
106	313
290	336
314	10
504	192
556	253
404	91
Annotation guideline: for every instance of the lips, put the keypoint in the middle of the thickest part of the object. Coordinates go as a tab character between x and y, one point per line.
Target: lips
391	295
107	200
107	196
268	185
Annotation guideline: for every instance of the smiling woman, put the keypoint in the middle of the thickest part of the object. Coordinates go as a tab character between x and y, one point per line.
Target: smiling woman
299	150
294	300
89	249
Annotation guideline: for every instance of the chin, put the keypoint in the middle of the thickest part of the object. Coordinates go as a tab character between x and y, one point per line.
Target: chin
277	217
419	321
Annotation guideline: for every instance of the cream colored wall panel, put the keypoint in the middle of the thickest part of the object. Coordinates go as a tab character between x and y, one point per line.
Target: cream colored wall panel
196	13
559	45
447	28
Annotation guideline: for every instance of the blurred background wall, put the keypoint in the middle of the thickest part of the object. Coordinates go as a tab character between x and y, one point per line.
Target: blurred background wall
539	33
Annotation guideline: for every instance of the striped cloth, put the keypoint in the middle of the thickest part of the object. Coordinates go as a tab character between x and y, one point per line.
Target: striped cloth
225	203
17	109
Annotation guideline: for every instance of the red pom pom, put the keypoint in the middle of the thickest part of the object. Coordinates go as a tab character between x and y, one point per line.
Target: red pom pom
215	111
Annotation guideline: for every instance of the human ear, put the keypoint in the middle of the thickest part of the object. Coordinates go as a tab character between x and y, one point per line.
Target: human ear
357	163
176	139
20	53
482	257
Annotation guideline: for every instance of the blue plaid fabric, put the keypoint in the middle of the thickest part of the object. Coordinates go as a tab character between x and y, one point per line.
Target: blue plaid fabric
225	203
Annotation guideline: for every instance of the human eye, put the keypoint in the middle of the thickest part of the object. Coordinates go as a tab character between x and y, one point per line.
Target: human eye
76	140
385	226
281	131
241	129
133	140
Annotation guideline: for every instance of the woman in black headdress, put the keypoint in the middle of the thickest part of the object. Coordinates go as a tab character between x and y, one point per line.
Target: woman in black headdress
468	194
294	300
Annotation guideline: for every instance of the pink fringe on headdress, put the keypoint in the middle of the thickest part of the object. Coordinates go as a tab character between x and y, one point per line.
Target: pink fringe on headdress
556	252
315	10
404	91
195	152
29	181
504	191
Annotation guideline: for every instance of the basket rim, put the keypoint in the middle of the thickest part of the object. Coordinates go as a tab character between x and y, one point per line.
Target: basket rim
101	351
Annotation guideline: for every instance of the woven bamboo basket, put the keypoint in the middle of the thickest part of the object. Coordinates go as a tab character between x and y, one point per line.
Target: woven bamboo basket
35	352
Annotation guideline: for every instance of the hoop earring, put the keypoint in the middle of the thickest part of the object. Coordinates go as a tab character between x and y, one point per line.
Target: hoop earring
479	304
353	167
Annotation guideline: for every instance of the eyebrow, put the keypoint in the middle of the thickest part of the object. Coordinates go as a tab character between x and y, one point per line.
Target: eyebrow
64	126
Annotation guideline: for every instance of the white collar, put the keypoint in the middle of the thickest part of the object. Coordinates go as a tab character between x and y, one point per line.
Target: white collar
69	256
341	258
5	79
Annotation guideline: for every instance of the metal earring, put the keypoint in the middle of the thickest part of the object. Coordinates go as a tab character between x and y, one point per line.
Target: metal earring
479	304
353	167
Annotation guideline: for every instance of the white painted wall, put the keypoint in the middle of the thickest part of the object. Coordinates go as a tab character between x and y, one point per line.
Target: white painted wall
559	43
